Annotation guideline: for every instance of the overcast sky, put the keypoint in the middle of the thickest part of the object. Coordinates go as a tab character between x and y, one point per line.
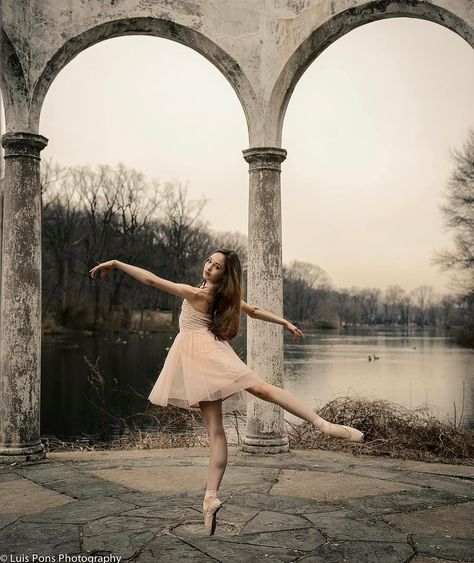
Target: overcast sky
368	132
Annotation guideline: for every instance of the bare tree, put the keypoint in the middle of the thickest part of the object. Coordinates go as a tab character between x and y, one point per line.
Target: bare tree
136	207
371	301
458	212
423	297
184	234
392	301
63	221
301	280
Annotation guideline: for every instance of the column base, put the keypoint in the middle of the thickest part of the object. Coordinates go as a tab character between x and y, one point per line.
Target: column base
262	445
22	455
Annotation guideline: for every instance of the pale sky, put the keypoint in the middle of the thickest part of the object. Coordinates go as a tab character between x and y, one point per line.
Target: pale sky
368	132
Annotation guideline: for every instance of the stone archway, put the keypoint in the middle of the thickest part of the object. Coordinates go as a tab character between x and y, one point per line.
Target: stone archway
262	49
359	14
20	325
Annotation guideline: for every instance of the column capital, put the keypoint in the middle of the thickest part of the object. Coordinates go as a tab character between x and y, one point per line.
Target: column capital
264	158
23	144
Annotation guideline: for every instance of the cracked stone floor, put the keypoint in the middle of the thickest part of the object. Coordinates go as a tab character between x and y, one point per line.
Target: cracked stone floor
308	506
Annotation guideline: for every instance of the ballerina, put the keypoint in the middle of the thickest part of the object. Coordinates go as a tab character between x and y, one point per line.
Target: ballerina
201	369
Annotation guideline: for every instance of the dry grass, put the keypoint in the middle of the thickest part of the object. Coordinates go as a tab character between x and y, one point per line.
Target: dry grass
390	430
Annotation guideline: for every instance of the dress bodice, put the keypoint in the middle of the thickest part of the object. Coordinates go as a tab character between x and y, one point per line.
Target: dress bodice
192	319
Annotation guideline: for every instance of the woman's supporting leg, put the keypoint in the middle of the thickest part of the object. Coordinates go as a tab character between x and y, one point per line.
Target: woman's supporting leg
290	403
212	413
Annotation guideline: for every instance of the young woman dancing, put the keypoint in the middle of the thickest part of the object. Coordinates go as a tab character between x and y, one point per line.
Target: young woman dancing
201	368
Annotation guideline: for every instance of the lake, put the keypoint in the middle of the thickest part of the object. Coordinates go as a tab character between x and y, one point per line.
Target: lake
413	369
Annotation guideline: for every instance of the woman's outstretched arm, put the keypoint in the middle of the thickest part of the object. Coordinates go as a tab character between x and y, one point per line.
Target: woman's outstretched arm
264	315
148	278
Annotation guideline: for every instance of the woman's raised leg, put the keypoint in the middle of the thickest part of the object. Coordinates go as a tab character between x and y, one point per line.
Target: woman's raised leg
290	403
212	413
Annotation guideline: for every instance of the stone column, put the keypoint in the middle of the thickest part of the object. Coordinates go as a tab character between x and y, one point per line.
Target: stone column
265	423
20	311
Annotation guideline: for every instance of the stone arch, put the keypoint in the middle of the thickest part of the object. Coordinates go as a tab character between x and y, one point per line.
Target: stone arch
343	23
12	82
143	26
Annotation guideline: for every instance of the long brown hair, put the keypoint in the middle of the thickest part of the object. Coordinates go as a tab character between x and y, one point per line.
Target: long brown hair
225	308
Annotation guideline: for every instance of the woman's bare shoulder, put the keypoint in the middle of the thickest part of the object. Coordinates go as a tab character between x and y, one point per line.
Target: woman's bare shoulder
202	299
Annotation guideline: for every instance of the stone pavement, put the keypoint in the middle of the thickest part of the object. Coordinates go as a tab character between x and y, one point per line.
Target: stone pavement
308	506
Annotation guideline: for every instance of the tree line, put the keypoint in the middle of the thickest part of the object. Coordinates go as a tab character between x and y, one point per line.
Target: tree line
96	214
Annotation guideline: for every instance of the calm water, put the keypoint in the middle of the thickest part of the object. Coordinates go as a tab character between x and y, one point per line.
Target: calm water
413	369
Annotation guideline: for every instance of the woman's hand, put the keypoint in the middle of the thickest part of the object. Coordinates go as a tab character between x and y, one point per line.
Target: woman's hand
295	331
103	269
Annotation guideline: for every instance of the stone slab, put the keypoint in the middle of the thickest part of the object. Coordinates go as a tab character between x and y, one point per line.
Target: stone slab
267	521
302	540
21	496
455	521
27	539
85	486
350	525
151	498
454	485
453	549
119	535
80	511
184	478
360	552
236	552
329	487
5	477
161	479
284	504
403	501
425	559
168	548
46	473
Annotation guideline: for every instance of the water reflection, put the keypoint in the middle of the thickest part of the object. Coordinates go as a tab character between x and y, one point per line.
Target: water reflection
413	369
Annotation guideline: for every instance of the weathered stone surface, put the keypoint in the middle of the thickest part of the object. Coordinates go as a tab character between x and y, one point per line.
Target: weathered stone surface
83	486
371	471
454	485
80	511
16	498
120	535
171	514
283	504
20	309
4	477
166	479
234	552
427	559
403	501
454	549
169	548
454	521
360	551
349	525
267	521
196	529
168	526
305	539
25	538
163	499
45	473
329	487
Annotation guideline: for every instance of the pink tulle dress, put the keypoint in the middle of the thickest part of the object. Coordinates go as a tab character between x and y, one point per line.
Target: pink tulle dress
200	368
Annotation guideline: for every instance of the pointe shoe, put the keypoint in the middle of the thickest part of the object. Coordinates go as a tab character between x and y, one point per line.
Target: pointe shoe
342	432
354	434
209	513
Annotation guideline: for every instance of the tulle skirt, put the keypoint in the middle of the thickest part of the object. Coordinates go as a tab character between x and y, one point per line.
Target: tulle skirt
200	368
